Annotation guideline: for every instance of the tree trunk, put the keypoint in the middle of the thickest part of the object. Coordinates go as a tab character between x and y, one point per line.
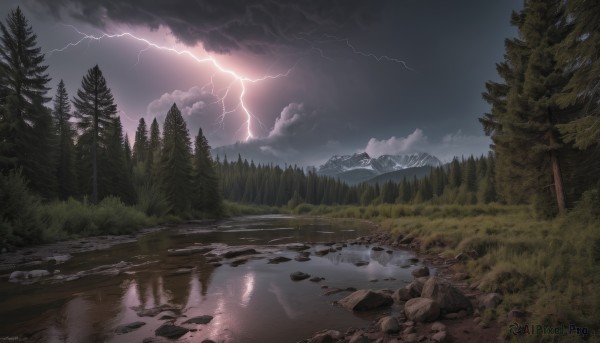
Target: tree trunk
558	182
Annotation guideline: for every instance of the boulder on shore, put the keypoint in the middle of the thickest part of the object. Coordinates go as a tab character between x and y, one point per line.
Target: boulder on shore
366	299
422	310
490	300
388	325
420	272
412	290
327	336
447	296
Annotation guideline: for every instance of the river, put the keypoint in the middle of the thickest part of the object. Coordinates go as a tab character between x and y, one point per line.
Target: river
254	301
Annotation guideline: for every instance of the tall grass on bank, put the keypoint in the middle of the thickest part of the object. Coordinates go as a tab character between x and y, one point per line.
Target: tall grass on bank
75	219
232	209
550	268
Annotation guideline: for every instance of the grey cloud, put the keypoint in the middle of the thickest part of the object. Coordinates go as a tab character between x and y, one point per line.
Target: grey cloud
294	138
224	26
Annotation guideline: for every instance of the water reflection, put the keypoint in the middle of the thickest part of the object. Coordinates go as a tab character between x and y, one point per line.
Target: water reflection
248	288
246	301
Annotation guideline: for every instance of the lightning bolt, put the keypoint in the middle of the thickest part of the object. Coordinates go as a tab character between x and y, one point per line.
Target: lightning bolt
240	80
328	38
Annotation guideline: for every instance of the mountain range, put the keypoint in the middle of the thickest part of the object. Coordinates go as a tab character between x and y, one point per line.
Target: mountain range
360	167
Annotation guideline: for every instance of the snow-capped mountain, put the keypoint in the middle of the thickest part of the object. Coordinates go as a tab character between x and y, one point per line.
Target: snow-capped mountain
382	164
361	167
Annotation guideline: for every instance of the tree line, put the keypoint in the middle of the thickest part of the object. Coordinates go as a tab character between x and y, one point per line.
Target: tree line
545	112
78	149
464	181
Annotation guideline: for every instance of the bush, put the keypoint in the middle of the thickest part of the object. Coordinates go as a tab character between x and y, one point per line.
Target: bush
73	218
20	222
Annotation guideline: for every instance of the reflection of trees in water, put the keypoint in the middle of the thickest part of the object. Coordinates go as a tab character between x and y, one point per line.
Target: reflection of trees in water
84	318
184	288
155	244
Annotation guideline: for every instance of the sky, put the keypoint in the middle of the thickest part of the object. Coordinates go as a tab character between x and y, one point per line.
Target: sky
288	81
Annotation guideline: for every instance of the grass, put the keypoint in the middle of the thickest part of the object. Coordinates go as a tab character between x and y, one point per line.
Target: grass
68	219
550	268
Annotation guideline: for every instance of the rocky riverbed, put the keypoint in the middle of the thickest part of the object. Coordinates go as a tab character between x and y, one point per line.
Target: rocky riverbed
208	283
434	309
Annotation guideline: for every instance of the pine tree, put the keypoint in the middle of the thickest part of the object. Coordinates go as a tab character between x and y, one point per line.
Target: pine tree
579	51
116	180
207	195
95	110
25	123
525	112
65	171
154	148
175	162
141	146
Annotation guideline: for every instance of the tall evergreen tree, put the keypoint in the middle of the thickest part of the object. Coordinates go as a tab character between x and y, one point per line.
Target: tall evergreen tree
579	52
175	162
140	145
25	123
116	176
65	171
154	147
95	110
207	195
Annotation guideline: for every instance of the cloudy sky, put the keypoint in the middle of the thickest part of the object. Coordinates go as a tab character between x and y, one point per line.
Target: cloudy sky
288	81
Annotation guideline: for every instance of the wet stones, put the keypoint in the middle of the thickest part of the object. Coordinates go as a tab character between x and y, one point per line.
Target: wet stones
171	331
302	258
199	320
298	247
239	252
299	276
279	259
361	263
121	329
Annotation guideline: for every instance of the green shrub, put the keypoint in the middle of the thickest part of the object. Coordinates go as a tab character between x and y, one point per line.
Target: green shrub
20	222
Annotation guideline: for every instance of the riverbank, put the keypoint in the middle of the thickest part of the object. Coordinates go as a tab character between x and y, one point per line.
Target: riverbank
545	271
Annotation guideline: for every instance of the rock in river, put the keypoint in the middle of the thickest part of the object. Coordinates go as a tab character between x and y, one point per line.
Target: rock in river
239	252
199	320
299	276
171	331
366	299
121	329
279	259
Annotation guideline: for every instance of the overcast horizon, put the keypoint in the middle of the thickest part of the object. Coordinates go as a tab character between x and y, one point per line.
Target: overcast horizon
292	84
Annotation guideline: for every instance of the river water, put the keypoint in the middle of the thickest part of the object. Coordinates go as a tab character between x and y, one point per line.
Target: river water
252	302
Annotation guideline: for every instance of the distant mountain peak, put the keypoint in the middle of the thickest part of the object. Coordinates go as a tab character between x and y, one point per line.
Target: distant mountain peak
363	164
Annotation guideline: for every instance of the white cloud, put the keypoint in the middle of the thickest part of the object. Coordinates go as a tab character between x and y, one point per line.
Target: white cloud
460	144
293	118
393	146
449	146
190	102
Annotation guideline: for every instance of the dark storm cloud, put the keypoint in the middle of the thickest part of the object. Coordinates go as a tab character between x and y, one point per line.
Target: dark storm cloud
224	26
